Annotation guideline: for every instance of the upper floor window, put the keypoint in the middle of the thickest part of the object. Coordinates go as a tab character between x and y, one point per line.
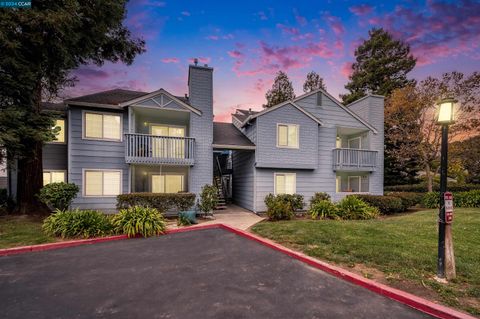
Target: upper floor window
285	183
60	136
287	135
355	142
102	126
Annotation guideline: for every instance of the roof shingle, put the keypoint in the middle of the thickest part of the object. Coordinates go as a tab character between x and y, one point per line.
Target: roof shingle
228	134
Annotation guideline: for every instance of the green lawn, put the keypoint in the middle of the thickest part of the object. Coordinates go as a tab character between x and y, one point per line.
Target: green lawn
21	231
403	247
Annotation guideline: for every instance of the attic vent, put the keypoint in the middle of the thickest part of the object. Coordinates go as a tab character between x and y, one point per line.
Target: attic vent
319	98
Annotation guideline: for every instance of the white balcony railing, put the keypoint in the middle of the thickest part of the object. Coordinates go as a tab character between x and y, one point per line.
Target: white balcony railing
354	159
152	149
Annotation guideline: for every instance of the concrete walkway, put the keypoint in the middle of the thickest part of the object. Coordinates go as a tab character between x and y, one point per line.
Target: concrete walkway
234	216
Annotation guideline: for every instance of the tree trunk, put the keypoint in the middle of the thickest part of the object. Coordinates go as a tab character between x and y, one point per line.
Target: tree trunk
428	174
29	183
30	169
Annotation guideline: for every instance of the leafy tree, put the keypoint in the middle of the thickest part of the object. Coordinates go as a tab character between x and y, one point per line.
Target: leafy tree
467	153
381	66
313	82
411	112
281	91
39	48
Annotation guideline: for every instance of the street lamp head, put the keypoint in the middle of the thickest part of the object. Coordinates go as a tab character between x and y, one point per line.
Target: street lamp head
446	111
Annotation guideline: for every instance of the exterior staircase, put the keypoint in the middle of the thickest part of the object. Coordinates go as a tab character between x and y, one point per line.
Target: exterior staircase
222	203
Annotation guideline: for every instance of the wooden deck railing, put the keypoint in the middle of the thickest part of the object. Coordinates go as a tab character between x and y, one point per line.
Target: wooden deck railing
354	159
152	149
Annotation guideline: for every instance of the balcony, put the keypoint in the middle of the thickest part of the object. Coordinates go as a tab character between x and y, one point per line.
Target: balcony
350	159
152	149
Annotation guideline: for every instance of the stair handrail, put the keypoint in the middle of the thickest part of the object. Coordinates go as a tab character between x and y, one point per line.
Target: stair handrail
222	186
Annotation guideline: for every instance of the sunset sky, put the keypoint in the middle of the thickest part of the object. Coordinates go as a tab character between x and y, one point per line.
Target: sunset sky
247	42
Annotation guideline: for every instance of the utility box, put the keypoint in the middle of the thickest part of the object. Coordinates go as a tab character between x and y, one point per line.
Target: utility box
448	197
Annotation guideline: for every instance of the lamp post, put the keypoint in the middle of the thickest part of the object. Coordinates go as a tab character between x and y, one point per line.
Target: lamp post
445	244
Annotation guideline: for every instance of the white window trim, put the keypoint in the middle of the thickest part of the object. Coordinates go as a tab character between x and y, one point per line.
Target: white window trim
359	184
84	112
56	171
298	136
355	138
150	181
275	181
101	170
64	133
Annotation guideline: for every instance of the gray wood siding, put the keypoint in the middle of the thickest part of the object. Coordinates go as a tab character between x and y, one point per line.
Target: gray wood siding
93	154
323	178
55	157
243	178
267	152
201	127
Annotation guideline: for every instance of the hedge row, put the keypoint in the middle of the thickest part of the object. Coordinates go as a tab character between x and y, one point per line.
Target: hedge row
160	201
422	188
283	206
393	202
460	199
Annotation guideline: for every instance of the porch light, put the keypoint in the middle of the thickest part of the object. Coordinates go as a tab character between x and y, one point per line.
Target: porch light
446	112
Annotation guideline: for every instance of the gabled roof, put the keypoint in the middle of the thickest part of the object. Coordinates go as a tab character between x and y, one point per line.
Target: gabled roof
253	115
346	109
226	135
119	98
242	115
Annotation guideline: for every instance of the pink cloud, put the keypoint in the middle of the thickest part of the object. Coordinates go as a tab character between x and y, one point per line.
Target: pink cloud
338	45
224	116
288	30
335	24
235	54
300	19
346	69
362	9
259	85
436	31
170	60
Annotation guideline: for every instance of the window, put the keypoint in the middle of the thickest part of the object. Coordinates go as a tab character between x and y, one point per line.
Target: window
287	135
102	126
167	183
355	142
170	148
53	177
358	184
102	183
285	183
60	137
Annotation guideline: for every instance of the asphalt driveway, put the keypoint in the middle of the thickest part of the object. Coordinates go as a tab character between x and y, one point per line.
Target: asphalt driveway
210	273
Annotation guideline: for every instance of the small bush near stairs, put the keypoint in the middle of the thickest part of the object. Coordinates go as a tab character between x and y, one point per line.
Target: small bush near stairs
208	199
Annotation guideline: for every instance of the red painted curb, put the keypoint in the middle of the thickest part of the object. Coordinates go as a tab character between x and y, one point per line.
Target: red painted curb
406	298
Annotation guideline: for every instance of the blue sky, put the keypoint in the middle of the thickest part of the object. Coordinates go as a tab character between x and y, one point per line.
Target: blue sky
248	42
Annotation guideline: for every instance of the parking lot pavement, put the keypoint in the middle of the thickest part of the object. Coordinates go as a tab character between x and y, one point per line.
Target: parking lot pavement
210	273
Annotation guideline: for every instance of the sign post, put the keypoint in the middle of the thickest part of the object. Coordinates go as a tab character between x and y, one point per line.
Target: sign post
450	272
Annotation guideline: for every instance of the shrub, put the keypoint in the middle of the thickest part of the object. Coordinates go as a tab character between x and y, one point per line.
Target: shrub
352	207
138	220
208	198
317	197
323	209
422	188
77	223
58	195
294	200
460	199
408	199
162	202
183	220
385	204
280	210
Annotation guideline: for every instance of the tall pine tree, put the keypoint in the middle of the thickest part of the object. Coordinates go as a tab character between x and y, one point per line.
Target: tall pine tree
381	66
313	82
281	91
39	48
